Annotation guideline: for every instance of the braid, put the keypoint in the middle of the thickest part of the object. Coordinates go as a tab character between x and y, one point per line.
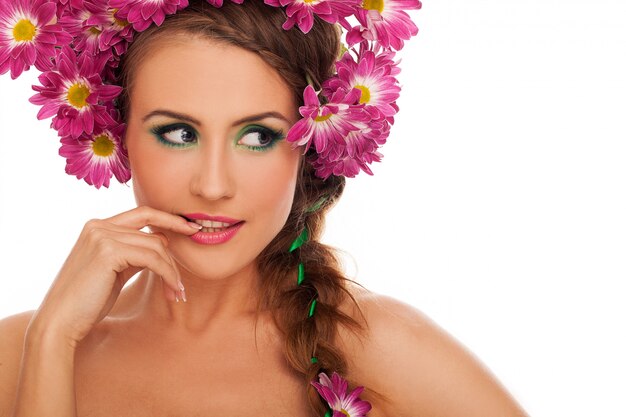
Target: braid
305	297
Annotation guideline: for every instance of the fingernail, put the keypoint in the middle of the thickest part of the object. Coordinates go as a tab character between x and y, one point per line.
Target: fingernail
195	225
180	285
177	300
184	295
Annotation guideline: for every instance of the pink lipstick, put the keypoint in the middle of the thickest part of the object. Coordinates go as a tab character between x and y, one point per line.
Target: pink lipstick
225	229
213	238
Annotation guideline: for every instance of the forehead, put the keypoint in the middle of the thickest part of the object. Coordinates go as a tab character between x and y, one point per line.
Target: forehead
209	79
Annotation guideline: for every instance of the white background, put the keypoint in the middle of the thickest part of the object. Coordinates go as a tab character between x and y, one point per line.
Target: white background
498	209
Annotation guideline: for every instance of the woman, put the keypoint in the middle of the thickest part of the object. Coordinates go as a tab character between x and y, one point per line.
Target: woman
266	314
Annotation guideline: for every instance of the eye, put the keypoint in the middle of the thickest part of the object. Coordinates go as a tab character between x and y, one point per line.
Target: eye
259	137
180	135
175	135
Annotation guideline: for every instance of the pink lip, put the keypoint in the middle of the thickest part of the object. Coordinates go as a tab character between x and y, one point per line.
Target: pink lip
208	238
203	216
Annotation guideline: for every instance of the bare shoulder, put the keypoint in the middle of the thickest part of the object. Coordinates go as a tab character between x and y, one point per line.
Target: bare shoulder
416	367
12	331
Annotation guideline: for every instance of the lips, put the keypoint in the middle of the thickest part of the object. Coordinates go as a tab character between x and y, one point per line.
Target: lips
215	229
199	217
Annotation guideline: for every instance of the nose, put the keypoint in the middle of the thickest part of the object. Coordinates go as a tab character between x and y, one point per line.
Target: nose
212	172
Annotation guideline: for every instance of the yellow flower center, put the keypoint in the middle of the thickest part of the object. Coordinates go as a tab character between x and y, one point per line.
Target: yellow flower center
374	5
77	95
365	94
119	22
94	30
343	50
24	30
309	1
103	146
323	118
344	412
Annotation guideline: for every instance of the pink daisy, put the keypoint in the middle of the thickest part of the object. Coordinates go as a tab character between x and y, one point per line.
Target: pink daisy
345	165
324	125
65	5
117	33
373	73
358	149
86	37
300	12
334	390
72	94
27	37
96	30
142	13
384	21
96	158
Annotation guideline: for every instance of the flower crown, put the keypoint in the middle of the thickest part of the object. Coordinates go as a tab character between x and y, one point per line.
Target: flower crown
77	45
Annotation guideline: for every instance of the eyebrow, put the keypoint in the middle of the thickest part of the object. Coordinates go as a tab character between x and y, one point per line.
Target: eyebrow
187	118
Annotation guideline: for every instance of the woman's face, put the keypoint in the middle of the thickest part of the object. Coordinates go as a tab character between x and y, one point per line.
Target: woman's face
206	135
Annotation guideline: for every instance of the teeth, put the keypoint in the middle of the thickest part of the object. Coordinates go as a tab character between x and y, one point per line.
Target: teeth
211	230
212	224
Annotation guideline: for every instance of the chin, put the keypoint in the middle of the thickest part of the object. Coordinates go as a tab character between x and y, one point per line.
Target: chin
214	267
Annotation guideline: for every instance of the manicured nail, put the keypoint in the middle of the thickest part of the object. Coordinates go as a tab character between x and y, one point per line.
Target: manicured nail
177	300
195	225
184	295
180	285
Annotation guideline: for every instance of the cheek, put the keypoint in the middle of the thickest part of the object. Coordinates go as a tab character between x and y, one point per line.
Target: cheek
276	196
151	169
270	189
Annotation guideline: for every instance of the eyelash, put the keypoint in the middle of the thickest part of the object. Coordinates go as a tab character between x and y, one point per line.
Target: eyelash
274	135
161	130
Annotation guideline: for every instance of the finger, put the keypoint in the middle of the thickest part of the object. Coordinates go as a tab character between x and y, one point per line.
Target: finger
106	225
182	293
138	256
143	216
169	294
154	241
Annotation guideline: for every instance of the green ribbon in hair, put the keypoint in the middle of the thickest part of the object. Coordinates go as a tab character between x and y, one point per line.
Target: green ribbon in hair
303	237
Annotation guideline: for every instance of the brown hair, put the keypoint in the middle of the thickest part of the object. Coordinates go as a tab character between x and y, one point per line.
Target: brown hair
294	55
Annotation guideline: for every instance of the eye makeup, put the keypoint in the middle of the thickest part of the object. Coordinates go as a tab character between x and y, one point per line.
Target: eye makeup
265	137
254	137
160	132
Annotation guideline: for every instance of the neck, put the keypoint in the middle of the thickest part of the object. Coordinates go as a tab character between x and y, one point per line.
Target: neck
210	303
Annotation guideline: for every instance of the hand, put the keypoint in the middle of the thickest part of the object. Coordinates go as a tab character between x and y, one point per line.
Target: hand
107	254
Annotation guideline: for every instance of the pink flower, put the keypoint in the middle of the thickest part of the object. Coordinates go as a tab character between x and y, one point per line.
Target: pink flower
343	164
300	12
346	134
73	94
27	36
96	158
355	153
142	13
325	125
64	5
334	390
96	30
384	21
373	73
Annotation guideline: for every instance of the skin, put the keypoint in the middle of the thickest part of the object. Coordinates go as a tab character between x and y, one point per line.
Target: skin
212	356
218	174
